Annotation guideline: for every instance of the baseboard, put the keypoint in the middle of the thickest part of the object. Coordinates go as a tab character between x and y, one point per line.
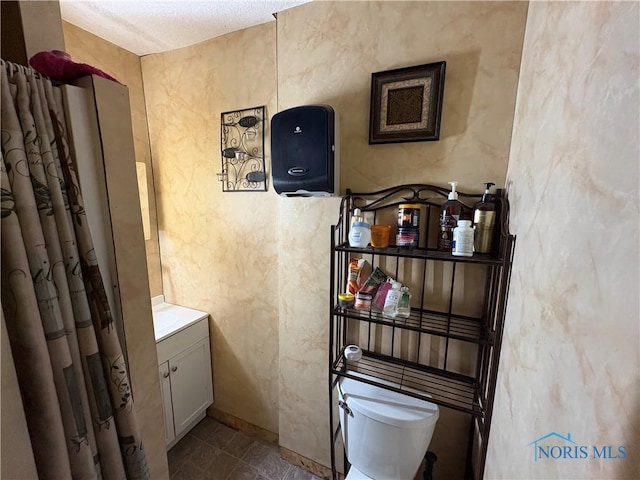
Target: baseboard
312	466
244	426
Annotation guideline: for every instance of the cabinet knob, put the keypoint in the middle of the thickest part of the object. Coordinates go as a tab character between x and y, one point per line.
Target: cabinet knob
173	369
165	374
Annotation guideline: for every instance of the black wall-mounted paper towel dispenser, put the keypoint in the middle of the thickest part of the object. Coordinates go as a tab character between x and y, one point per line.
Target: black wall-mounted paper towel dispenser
305	151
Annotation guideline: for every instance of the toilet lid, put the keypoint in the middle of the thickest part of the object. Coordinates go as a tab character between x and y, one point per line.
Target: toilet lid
386	406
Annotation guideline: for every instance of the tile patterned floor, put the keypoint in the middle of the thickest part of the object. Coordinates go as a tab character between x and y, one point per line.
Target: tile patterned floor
213	451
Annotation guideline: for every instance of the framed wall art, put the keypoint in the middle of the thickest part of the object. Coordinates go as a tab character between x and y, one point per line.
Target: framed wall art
406	104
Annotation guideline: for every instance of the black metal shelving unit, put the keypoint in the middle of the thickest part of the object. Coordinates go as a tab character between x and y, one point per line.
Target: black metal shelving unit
409	366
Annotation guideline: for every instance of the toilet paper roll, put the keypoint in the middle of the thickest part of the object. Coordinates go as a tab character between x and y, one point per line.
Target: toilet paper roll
352	353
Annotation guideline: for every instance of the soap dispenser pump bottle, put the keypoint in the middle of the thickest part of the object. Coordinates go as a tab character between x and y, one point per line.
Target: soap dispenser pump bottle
484	218
450	213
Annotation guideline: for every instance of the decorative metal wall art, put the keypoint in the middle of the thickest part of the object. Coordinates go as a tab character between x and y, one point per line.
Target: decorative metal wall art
242	144
406	104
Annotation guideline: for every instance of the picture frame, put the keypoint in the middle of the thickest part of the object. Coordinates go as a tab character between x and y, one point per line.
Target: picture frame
406	104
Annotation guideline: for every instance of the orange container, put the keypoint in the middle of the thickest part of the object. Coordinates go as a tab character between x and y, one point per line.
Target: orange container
380	235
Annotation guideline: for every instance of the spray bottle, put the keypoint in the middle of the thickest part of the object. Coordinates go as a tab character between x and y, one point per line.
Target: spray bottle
449	216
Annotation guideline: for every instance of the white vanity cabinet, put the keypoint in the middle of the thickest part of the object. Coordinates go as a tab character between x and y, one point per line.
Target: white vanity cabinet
184	365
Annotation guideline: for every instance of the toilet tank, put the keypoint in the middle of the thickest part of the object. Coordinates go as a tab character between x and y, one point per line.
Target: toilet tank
386	434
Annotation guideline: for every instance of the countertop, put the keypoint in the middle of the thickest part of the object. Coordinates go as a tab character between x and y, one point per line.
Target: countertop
169	319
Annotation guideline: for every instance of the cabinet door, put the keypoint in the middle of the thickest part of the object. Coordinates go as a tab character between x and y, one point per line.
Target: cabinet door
167	408
191	384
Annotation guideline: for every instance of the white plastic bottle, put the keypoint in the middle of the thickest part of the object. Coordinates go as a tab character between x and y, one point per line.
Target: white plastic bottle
463	239
391	302
359	235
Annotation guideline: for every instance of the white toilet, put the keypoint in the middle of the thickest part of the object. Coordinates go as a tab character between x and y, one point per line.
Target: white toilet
386	434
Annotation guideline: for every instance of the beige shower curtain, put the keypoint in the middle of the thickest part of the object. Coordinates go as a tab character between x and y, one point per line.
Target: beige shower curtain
69	362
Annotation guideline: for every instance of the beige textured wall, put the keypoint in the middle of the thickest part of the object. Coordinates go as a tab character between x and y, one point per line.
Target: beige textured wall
326	54
219	250
125	66
328	50
570	354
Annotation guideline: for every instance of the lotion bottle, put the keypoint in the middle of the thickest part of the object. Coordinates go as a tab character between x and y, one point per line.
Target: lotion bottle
359	235
484	218
450	213
391	302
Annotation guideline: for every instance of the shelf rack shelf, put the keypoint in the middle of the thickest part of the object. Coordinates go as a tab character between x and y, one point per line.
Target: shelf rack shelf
398	353
458	327
421	253
458	392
